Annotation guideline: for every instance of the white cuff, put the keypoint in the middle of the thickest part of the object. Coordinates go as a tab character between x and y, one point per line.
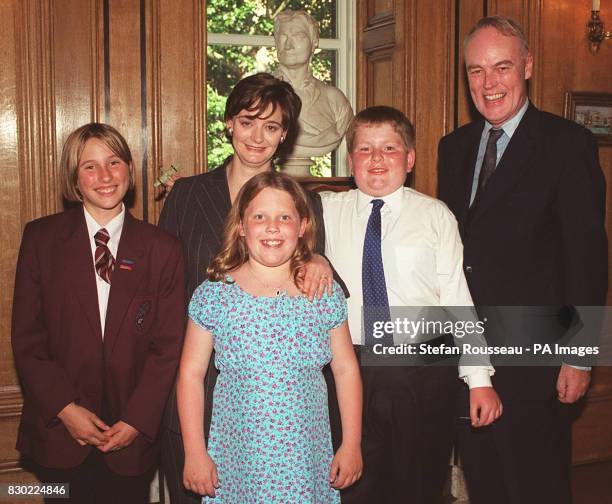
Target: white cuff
581	368
476	376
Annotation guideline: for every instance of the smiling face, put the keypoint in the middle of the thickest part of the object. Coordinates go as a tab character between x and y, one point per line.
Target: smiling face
498	69
379	160
103	179
256	139
294	45
272	226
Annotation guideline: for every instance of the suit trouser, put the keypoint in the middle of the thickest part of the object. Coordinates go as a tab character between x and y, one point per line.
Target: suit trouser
93	482
173	454
407	434
523	458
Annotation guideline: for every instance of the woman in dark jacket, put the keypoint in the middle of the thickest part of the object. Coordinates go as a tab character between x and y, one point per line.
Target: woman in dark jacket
261	116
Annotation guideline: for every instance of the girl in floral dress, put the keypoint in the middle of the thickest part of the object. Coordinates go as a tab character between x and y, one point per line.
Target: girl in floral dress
270	439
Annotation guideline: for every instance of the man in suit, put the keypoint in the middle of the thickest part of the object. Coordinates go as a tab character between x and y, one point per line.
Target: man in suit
98	323
529	195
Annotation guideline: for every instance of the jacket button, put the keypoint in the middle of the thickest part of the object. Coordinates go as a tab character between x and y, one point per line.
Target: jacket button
468	269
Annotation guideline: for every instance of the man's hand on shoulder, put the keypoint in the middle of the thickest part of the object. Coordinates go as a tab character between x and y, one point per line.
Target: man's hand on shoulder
572	383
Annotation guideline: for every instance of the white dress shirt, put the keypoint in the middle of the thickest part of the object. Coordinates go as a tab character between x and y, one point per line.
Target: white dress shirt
422	256
114	228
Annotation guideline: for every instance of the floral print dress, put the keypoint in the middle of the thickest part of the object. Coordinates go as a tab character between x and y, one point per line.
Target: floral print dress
270	435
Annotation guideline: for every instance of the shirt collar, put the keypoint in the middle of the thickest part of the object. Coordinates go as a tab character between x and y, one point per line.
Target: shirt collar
511	124
393	202
114	226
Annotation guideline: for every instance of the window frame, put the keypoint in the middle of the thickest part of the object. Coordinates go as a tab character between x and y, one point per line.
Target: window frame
346	60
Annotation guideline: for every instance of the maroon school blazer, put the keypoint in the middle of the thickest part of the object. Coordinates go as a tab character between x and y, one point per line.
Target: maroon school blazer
59	351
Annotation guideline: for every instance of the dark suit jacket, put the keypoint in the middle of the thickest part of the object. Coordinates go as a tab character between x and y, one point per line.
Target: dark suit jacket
59	351
195	211
537	236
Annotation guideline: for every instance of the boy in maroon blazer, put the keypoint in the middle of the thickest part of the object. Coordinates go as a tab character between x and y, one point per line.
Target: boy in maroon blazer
98	322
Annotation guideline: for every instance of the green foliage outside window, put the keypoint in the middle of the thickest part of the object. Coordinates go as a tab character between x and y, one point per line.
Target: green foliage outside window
227	64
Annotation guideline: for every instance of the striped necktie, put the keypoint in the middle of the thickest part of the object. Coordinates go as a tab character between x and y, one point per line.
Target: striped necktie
105	262
490	161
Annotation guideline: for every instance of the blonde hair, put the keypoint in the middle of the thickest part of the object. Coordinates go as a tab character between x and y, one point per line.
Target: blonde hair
73	148
381	114
234	252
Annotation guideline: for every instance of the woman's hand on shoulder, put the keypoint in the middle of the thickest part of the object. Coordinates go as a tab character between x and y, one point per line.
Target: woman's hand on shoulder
346	466
200	475
316	276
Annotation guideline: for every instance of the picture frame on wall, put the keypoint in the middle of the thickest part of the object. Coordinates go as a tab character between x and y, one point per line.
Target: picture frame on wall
593	111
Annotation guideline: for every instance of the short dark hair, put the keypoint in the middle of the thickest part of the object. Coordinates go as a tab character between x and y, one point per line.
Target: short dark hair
504	25
73	148
382	114
256	93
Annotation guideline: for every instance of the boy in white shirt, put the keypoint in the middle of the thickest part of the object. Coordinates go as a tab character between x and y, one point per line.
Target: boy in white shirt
394	246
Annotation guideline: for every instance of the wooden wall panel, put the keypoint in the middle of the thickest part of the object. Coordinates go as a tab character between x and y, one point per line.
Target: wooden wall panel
408	68
605	159
567	65
592	434
570	66
10	177
11	49
126	104
36	109
10	410
382	7
78	69
516	9
382	44
179	94
381	66
432	91
469	13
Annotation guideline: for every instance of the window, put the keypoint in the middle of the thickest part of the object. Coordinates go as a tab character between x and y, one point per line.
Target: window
241	42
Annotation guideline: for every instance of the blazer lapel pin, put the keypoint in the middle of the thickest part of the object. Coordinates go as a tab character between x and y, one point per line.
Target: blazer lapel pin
142	312
126	264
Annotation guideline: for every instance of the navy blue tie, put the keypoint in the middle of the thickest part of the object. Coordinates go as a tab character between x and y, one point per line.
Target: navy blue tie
373	285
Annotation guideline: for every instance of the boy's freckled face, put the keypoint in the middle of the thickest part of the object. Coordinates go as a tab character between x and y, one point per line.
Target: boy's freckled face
379	160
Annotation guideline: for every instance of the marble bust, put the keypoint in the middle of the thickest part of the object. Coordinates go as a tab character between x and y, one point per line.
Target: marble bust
326	112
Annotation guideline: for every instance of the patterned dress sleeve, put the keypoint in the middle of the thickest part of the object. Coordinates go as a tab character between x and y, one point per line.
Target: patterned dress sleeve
204	307
333	308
